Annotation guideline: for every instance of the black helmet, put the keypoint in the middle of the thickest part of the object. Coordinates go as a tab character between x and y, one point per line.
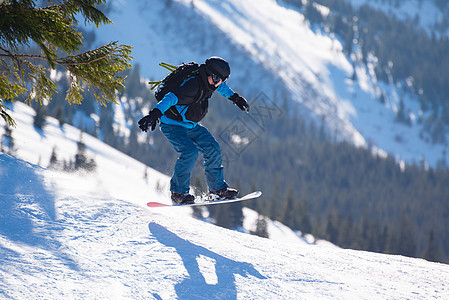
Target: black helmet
218	66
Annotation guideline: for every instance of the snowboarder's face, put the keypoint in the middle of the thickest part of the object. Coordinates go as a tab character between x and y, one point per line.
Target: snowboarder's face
211	81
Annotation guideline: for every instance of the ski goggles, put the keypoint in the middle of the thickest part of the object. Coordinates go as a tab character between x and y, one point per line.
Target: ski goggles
216	79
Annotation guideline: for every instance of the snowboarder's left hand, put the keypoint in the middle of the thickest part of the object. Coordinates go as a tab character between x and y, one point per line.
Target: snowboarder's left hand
240	102
150	120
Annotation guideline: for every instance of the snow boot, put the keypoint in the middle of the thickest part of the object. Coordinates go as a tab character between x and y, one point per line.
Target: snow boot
224	193
182	198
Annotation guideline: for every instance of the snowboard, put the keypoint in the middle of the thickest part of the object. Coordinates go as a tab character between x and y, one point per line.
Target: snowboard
253	195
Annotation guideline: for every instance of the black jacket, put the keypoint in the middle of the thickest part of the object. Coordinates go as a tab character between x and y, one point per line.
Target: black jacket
194	93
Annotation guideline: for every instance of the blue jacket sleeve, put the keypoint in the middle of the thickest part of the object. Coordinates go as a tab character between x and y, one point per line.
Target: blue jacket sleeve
168	101
224	90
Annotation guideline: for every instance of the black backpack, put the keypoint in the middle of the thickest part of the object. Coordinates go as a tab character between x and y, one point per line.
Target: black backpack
177	76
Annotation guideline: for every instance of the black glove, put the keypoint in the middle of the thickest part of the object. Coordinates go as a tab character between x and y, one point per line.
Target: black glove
240	102
150	120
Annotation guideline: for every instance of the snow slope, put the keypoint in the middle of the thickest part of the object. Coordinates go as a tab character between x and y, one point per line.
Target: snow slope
61	237
273	50
91	236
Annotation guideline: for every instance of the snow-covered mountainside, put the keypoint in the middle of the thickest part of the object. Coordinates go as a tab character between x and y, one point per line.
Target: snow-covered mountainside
90	235
273	50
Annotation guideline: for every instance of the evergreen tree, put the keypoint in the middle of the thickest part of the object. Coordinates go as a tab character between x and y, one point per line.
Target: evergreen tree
305	224
392	245
60	115
349	237
7	141
134	86
52	28
407	243
54	164
236	209
312	13
289	213
39	117
383	239
402	114
145	173
332	230
261	227
431	252
160	188
222	216
107	133
236	215
82	162
132	145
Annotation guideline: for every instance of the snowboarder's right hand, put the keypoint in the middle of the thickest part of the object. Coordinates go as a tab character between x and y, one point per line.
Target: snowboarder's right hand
150	120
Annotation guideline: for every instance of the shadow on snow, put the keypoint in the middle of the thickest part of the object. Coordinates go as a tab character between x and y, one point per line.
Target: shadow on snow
195	286
27	211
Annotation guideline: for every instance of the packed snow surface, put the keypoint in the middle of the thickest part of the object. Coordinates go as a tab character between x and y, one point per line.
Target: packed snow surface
91	236
62	237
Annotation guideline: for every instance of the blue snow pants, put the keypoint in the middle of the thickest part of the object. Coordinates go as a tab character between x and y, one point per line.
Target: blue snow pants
188	143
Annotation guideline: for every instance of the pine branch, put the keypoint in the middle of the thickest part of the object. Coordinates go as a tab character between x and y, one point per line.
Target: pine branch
74	58
52	29
59	61
88	9
16	56
6	117
90	68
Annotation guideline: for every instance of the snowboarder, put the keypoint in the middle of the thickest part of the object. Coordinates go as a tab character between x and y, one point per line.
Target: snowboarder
179	112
